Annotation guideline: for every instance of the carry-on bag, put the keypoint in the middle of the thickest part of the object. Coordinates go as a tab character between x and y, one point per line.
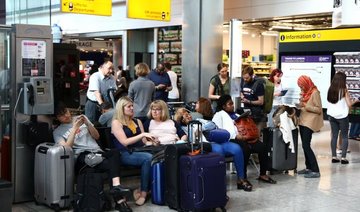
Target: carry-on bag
172	171
281	157
54	175
90	195
202	176
157	183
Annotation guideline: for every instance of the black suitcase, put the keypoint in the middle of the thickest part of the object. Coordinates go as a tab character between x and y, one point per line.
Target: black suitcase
281	158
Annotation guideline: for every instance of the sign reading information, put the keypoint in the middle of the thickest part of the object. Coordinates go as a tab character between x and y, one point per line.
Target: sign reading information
152	10
91	7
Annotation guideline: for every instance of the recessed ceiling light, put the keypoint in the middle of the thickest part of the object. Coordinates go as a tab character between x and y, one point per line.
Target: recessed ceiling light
98	38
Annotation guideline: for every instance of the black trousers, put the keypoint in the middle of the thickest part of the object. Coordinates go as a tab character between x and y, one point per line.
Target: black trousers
111	163
257	147
310	158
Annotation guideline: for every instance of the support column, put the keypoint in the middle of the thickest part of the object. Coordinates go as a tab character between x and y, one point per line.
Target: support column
202	45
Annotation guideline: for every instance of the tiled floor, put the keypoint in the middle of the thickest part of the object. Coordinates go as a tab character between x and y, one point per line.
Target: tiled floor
336	190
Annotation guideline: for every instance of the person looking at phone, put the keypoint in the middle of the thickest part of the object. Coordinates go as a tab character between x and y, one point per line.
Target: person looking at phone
275	77
80	134
162	82
129	133
310	121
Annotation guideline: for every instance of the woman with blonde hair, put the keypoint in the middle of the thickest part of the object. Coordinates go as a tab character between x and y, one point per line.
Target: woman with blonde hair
159	124
128	133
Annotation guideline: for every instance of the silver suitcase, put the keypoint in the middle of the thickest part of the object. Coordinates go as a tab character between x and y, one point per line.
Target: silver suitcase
54	175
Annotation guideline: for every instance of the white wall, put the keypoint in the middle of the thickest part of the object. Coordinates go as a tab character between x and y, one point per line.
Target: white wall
257	45
248	9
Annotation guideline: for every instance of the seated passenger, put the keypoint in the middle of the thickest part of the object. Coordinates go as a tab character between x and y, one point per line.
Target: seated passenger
224	118
225	149
203	109
80	134
129	133
107	112
159	124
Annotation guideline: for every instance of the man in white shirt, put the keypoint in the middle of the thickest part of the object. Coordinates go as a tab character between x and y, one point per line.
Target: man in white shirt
99	84
173	95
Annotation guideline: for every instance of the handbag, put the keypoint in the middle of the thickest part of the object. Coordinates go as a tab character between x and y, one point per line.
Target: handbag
92	159
217	135
247	129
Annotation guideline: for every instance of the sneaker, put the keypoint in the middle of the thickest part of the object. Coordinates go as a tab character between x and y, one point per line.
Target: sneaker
123	207
312	175
335	160
304	171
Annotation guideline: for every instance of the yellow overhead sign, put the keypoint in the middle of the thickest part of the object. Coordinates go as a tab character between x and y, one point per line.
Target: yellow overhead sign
320	35
159	10
91	7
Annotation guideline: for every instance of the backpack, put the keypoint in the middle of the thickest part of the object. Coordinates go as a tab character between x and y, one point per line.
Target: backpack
90	196
218	86
269	92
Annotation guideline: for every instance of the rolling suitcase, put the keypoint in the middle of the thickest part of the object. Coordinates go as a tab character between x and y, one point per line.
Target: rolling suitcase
203	177
54	173
280	156
172	172
157	183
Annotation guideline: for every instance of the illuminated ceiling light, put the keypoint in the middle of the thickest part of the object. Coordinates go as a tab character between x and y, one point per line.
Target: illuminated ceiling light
301	28
253	35
269	33
98	38
281	27
245	32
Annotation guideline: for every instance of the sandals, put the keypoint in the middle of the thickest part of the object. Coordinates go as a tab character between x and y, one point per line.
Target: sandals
268	180
245	185
136	194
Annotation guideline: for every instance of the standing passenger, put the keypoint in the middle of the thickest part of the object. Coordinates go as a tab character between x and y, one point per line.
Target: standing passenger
311	120
219	84
275	77
338	110
142	92
173	95
162	82
99	84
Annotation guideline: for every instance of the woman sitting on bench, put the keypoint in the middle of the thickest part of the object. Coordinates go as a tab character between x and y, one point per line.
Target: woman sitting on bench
129	133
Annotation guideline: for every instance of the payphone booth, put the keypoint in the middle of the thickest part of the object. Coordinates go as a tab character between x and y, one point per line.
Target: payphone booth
32	102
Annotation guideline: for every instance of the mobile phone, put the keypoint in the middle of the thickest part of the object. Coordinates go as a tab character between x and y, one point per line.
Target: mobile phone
283	92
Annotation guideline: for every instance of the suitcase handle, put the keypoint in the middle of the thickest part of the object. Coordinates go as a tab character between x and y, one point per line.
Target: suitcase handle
203	189
195	138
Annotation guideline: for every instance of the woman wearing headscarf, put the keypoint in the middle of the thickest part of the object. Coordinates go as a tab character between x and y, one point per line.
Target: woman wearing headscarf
310	120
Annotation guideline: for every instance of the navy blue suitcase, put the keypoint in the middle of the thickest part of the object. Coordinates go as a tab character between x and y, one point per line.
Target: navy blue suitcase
203	180
157	183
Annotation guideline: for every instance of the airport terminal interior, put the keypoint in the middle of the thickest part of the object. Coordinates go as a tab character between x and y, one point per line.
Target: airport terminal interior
48	49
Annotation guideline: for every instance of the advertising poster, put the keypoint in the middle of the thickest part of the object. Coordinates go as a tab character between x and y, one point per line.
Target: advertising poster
317	67
33	55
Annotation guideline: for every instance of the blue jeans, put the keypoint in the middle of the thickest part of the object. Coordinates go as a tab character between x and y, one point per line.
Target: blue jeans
354	130
231	149
142	159
336	126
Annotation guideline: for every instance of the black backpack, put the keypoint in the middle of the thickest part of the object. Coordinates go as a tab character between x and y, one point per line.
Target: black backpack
90	196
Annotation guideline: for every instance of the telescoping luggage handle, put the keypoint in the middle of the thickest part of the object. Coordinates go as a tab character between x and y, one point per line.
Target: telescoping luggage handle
195	136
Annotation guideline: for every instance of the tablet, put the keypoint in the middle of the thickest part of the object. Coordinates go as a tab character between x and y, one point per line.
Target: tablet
283	92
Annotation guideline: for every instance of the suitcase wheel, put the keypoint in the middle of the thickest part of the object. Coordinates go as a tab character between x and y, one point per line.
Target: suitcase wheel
56	207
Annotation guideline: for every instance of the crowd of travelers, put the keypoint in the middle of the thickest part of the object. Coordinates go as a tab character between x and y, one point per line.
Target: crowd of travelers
141	118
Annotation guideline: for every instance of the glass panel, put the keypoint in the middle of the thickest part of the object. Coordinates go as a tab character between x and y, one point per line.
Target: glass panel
30	11
5	117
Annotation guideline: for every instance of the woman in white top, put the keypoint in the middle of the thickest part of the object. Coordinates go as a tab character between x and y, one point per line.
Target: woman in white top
173	95
337	111
275	77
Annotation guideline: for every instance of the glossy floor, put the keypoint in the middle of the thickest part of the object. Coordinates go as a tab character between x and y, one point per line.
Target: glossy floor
336	190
